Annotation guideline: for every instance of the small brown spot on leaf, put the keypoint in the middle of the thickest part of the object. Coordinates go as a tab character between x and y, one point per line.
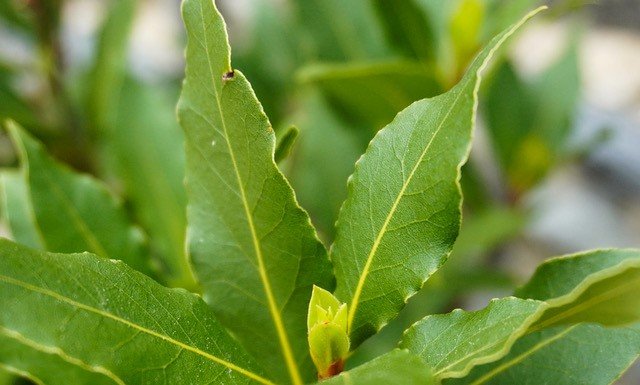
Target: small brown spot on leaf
228	75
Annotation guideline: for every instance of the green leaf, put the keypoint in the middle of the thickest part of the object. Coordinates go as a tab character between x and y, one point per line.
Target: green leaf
508	108
402	213
285	139
327	326
322	161
139	331
370	94
598	286
557	91
142	145
109	68
408	28
324	307
453	343
145	149
396	367
339	30
529	122
606	283
254	249
43	364
6	377
73	212
18	210
268	53
579	354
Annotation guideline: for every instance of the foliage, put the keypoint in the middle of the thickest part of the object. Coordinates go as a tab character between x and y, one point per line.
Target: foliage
120	274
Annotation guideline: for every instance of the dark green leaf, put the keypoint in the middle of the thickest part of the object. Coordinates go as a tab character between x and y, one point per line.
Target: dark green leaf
579	354
253	247
73	212
339	30
285	139
599	286
408	28
402	213
67	313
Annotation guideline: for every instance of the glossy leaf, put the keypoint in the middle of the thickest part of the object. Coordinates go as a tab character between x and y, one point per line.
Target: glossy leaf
606	283
139	331
254	249
579	354
603	287
396	367
453	343
402	213
75	212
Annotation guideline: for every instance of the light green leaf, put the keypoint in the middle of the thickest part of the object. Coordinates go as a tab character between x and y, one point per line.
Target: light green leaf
396	367
324	307
285	139
578	354
18	211
598	286
6	377
254	249
465	29
139	331
370	94
402	213
74	212
453	343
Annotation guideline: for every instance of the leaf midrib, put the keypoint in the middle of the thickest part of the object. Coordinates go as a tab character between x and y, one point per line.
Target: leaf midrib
478	77
593	301
21	373
374	248
522	356
273	308
61	298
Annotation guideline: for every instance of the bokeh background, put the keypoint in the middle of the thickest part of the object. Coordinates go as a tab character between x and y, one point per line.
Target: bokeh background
555	167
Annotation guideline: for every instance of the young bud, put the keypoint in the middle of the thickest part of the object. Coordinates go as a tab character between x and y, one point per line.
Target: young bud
327	327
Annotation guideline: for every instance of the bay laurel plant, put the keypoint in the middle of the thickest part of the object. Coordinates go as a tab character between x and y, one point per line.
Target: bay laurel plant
276	306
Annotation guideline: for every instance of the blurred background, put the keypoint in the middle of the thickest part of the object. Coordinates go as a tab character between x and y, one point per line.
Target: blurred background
555	166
